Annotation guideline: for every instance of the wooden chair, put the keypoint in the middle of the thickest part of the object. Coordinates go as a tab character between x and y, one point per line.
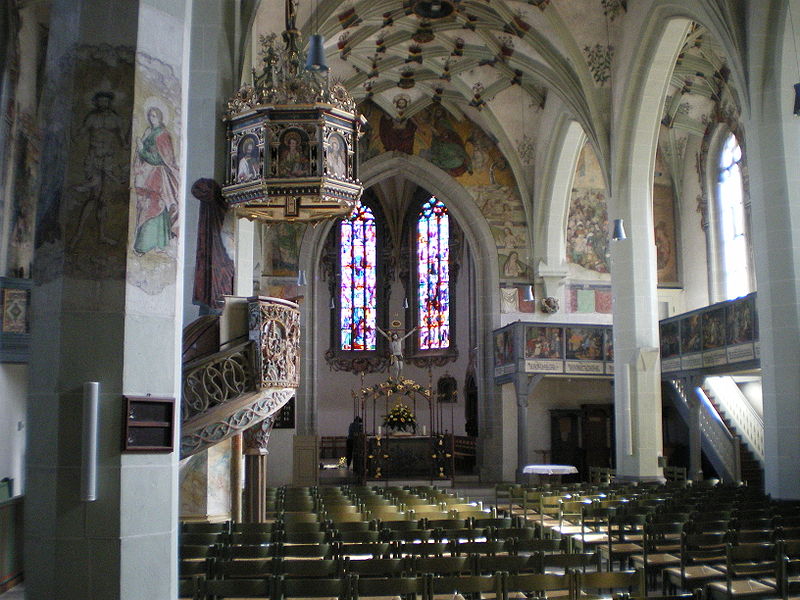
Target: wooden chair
311	588
573	561
469	586
362	550
743	566
536	585
590	584
189	588
658	537
442	565
205	527
304	550
377	567
701	553
486	565
373	587
215	589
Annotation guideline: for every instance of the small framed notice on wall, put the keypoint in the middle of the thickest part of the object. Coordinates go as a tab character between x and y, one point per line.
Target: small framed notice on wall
148	424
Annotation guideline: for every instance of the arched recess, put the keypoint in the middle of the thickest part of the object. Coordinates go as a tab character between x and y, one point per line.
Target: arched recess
552	208
484	297
637	390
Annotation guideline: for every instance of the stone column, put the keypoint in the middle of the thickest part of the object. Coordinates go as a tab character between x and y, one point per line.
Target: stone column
255	450
772	145
107	298
523	387
695	434
637	385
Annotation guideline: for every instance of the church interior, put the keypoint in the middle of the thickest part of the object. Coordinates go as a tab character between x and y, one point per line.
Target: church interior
260	245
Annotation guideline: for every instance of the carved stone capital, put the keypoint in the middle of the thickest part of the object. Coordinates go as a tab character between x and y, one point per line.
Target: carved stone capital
257	437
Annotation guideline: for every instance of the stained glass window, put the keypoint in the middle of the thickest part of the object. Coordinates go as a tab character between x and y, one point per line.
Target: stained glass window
358	280
732	221
433	276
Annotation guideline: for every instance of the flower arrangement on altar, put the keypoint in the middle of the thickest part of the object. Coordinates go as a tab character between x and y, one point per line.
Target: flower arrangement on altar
400	418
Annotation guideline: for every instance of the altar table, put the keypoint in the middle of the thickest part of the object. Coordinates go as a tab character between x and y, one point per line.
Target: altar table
553	472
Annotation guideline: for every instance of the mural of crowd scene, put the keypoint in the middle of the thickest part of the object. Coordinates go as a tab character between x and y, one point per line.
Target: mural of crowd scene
587	226
543	342
670	339
584	343
465	152
282	248
587	231
664	232
690	334
714	329
503	348
741	321
97	190
156	176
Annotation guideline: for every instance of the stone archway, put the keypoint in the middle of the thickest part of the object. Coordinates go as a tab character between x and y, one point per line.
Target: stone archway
485	297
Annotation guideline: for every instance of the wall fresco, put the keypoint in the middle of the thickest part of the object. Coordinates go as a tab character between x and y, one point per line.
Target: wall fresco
156	195
472	158
97	186
587	225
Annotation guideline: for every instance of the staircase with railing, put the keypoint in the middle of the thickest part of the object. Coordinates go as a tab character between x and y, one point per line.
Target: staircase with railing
254	373
720	445
740	416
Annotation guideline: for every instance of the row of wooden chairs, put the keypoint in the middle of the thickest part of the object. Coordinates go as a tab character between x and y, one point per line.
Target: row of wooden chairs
248	566
500	585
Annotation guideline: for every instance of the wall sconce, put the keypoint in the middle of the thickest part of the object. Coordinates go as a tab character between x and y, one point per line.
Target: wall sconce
405	302
619	231
332	305
301	278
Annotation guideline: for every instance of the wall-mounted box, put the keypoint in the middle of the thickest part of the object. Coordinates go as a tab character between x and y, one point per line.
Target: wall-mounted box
149	424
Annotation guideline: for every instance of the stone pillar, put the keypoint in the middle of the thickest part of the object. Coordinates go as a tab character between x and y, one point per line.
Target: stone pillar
107	298
255	450
695	435
772	145
523	387
637	373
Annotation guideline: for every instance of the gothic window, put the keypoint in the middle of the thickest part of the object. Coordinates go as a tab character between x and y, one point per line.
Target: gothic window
732	225
358	280
433	276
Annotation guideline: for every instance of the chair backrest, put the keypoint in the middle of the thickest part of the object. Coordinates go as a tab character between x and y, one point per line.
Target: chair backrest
510	564
570	561
211	589
631	581
310	550
473	585
244	569
547	545
442	565
362	549
300	587
386	586
535	583
377	567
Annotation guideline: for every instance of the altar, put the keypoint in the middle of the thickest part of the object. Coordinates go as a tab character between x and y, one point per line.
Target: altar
383	452
408	457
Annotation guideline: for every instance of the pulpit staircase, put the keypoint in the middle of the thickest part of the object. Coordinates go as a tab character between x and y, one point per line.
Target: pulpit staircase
732	432
239	369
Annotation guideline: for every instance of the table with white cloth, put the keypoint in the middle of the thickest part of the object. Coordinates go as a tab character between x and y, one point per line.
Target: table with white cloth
549	473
